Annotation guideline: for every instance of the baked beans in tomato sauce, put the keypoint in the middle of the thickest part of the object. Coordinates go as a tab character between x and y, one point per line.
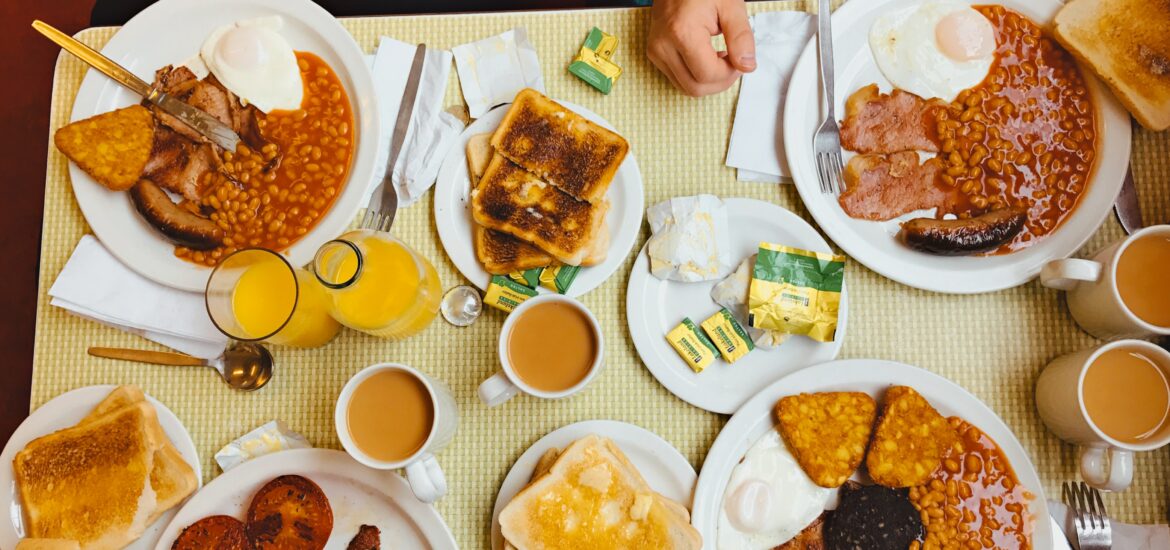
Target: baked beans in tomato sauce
1023	137
313	147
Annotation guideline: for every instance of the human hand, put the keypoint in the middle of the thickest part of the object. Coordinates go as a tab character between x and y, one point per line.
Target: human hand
680	43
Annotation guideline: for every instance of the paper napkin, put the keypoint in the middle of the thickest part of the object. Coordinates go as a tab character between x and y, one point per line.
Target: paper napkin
757	144
431	133
1129	537
493	70
96	286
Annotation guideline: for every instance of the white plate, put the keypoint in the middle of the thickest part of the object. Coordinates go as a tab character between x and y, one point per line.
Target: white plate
358	495
663	467
170	32
872	376
62	412
654	307
873	243
453	211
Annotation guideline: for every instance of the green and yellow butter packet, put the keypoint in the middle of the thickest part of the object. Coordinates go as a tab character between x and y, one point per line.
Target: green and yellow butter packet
558	278
796	291
594	63
696	349
529	278
727	334
505	294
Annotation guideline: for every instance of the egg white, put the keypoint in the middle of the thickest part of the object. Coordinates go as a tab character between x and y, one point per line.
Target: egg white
256	63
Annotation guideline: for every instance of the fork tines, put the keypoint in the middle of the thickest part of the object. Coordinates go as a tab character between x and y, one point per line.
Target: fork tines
1089	516
829	171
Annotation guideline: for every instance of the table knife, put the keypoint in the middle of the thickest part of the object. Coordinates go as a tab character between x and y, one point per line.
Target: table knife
1127	207
207	125
384	202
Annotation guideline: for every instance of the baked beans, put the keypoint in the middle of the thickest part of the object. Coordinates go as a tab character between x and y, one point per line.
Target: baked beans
272	197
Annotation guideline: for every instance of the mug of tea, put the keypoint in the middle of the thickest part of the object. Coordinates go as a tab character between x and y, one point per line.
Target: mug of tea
1122	291
391	416
1113	401
550	347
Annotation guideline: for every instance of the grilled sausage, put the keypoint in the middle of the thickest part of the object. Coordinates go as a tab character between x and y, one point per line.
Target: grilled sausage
177	224
960	237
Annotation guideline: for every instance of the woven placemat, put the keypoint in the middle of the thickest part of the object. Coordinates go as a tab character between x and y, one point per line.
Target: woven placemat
992	344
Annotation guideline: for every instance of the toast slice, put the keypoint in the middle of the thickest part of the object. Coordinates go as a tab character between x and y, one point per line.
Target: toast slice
500	253
171	477
513	200
111	147
599	248
91	483
479	154
827	432
1126	43
560	146
592	497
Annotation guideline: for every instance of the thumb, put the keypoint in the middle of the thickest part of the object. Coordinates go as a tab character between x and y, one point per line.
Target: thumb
737	33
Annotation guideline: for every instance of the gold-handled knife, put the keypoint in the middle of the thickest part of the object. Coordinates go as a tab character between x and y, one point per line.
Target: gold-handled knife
207	125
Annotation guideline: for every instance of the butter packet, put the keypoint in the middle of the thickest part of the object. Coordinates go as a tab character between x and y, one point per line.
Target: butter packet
796	291
267	439
505	294
558	278
594	63
695	348
727	335
529	277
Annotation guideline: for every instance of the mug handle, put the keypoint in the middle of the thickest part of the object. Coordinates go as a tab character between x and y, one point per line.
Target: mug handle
1065	274
426	479
1107	468
497	390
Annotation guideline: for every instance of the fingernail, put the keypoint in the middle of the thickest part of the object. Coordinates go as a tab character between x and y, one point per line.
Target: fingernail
748	61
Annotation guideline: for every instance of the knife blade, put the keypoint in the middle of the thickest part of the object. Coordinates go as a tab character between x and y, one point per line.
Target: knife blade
203	123
1127	207
385	200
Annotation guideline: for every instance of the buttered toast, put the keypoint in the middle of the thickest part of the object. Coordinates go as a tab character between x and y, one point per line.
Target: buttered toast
593	497
91	483
1127	44
515	201
560	146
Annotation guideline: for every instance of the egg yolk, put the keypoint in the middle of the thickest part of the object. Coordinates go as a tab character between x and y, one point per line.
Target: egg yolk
242	48
964	35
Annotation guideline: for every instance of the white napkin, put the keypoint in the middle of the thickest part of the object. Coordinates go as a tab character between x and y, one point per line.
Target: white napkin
97	286
431	131
757	135
493	70
1125	536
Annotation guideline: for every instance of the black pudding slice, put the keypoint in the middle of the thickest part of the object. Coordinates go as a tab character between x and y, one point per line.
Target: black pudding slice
871	517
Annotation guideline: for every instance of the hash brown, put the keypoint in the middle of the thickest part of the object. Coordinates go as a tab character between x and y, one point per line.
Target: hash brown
112	147
827	432
910	440
289	512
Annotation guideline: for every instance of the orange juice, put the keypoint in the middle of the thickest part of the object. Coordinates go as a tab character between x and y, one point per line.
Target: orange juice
378	285
272	301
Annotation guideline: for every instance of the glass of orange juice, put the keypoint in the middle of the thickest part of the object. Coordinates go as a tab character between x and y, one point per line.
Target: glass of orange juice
377	284
256	295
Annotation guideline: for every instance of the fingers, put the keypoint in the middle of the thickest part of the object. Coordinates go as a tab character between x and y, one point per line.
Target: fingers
737	33
686	80
664	69
706	68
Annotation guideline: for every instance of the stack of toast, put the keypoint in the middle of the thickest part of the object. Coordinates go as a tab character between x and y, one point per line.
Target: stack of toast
538	187
589	495
102	482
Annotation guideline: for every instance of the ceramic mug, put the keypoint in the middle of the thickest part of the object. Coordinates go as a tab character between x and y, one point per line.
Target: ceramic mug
505	384
1105	463
422	469
1093	298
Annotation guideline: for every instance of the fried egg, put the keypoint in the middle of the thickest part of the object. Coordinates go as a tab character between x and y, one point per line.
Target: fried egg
256	63
935	49
769	499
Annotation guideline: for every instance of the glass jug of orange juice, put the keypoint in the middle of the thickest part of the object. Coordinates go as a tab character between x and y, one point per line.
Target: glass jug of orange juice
377	284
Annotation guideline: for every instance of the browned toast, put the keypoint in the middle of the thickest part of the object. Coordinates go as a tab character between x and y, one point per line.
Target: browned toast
501	253
560	146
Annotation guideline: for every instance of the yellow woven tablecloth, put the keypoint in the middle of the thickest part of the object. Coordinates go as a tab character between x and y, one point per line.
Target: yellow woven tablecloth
992	344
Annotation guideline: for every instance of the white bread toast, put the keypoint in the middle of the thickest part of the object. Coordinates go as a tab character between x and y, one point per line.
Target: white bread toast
91	483
592	497
1127	44
171	477
479	153
47	544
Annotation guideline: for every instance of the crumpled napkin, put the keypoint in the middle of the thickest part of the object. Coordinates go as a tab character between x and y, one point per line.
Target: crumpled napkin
1125	536
690	239
96	286
432	131
492	70
271	437
756	148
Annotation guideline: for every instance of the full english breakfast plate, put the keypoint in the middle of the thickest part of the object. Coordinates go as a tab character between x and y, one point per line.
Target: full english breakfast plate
969	162
936	451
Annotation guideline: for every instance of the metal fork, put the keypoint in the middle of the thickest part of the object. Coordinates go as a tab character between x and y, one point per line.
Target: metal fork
827	140
1089	517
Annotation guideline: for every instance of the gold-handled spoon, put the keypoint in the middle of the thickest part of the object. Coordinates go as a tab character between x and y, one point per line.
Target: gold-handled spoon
244	366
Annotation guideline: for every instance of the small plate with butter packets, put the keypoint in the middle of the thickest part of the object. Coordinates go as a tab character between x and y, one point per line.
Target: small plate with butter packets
654	307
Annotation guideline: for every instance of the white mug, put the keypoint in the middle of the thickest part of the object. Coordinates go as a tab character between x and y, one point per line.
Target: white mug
1093	299
505	384
422	470
1105	462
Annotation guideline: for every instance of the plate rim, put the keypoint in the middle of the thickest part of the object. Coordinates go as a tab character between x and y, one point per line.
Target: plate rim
449	201
47	415
637	316
90	197
518	477
1024	267
838	375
